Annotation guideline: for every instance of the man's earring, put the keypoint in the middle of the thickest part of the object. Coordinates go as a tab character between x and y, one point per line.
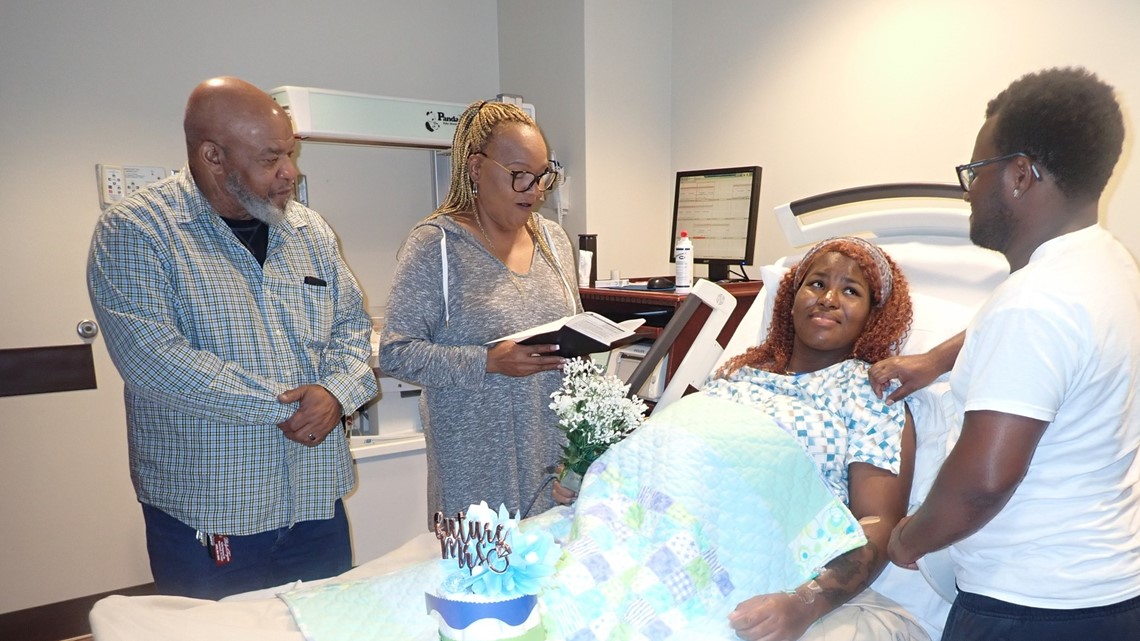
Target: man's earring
1017	193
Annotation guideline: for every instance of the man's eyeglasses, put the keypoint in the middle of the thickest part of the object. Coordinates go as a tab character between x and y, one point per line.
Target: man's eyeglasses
522	181
967	173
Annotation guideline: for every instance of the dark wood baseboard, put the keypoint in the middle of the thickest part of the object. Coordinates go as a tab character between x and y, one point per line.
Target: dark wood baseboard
62	620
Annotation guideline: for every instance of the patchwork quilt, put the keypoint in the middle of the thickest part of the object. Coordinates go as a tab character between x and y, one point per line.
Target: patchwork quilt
707	504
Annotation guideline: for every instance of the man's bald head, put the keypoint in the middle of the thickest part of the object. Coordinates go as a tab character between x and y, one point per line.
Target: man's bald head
224	107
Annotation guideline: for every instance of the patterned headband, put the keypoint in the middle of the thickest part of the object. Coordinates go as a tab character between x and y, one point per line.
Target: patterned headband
886	280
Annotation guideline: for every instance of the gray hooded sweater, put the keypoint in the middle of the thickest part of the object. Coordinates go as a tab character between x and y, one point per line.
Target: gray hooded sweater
490	437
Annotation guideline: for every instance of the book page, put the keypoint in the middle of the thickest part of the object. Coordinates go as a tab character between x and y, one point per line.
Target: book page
602	329
589	324
552	326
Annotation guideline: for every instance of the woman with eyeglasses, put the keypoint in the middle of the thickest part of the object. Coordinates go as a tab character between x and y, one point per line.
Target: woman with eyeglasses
483	265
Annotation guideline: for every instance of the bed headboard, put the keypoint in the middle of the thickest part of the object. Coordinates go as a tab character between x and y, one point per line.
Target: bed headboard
935	210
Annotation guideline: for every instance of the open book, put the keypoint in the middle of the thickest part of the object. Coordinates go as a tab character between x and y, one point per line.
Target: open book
578	335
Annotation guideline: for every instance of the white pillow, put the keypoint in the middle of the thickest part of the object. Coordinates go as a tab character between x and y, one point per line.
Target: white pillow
935	320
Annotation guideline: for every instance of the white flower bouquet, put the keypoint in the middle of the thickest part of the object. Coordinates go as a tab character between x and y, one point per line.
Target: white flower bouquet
594	412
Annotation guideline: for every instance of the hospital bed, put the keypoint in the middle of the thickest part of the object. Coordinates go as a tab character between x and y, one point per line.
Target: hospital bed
924	227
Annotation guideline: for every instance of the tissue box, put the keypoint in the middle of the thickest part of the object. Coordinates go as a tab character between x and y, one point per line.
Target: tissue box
394	413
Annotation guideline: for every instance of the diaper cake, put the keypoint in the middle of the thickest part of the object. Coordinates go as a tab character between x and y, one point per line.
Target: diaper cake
494	572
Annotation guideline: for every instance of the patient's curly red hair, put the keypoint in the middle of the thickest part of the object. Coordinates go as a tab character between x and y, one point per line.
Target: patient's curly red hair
883	335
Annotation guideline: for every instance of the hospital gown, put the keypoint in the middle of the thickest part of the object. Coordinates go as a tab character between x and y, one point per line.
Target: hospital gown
833	413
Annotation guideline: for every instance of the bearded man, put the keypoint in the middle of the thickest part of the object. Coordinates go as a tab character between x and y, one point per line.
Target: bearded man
242	340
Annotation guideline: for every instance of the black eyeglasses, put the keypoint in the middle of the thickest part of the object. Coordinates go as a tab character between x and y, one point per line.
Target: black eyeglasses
522	181
967	173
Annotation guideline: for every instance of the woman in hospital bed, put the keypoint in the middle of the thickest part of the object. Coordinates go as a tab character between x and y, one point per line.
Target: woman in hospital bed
845	306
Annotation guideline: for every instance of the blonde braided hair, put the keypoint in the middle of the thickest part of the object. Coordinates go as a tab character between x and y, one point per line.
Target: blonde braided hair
477	126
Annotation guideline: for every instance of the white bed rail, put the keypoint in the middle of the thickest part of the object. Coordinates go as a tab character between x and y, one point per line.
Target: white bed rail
705	350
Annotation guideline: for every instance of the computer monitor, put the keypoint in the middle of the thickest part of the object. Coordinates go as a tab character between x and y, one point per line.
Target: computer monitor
718	207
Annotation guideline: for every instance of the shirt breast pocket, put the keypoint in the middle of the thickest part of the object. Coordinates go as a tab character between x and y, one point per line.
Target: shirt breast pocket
307	311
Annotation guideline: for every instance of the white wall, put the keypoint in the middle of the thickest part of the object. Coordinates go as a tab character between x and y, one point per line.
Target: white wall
628	86
827	94
89	82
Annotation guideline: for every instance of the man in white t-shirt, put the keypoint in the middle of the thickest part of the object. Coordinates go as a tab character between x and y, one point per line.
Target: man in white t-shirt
1039	497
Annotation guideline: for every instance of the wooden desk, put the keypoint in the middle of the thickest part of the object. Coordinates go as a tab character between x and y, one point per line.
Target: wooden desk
620	304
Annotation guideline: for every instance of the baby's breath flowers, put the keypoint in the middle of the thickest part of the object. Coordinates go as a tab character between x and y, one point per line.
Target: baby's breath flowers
594	412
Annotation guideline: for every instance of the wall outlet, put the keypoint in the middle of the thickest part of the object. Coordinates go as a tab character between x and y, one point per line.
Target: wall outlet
111	184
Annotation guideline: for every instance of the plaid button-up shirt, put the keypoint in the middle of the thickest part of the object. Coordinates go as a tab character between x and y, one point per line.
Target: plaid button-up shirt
205	339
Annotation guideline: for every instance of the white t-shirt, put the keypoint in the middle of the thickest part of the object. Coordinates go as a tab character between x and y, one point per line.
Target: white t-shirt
1059	341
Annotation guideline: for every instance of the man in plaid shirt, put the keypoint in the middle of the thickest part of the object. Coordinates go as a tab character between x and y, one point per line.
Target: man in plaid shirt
242	340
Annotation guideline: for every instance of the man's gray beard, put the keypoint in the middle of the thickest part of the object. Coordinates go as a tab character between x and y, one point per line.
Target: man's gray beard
260	208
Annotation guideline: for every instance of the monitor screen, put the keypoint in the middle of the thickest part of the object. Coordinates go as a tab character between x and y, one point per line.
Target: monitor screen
718	207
